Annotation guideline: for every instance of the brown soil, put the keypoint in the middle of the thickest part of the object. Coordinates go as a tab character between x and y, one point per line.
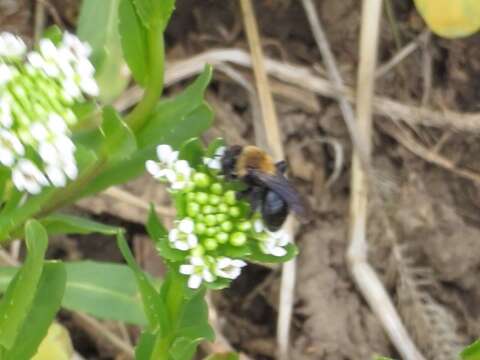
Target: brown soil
433	212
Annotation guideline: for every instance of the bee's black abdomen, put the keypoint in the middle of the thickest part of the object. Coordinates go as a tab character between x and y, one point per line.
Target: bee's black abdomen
274	210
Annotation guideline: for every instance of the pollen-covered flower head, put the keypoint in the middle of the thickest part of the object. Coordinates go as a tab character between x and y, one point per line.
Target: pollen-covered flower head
215	231
38	90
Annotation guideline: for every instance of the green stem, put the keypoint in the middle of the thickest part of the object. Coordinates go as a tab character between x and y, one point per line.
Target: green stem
154	88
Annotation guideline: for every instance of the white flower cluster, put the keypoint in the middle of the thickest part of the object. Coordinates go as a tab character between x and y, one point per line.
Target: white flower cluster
213	221
37	91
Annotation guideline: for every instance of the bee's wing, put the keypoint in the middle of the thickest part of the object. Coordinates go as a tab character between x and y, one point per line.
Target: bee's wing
283	188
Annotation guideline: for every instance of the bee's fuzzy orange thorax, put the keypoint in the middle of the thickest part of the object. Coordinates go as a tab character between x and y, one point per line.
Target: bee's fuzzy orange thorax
253	157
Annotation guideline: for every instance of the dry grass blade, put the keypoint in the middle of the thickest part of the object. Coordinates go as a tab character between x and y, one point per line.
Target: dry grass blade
363	273
272	140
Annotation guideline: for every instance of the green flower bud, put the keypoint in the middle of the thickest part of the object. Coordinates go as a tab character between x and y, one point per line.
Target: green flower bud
191	196
244	226
221	218
234	211
214	199
189	187
208	209
211	231
201	180
222	237
230	197
200	228
200	217
197	251
210	244
193	209
226	226
216	188
222	208
210	220
201	197
238	239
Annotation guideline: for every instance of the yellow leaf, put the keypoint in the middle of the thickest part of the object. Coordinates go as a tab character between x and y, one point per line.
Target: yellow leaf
56	345
450	18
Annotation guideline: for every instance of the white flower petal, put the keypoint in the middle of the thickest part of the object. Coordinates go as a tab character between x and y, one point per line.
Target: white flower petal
278	251
197	261
207	275
238	263
89	86
186	225
220	151
192	240
258	225
173	235
153	168
11	45
183	168
181	245
6	156
186	269
194	281
56	124
39	131
6	73
56	176
165	154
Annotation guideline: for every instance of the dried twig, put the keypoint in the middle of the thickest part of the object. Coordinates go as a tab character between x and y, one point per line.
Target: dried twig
39	20
272	140
362	272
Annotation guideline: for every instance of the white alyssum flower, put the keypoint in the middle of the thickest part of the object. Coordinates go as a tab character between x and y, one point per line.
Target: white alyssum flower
275	242
214	162
159	172
166	155
198	271
229	268
10	147
182	237
76	46
183	171
11	46
27	177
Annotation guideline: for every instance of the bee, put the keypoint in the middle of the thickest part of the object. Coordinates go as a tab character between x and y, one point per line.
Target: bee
268	190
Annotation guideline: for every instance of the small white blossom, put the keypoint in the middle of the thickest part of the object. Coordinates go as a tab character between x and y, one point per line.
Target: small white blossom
10	147
11	46
198	271
160	173
26	176
229	268
214	162
258	226
167	155
76	46
183	238
182	174
275	242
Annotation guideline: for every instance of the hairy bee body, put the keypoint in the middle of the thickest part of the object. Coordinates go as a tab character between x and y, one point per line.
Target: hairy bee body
268	190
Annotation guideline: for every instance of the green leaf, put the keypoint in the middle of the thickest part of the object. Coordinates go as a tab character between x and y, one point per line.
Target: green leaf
471	352
45	306
150	11
183	348
258	256
133	36
153	306
192	151
213	146
18	299
223	356
194	322
171	111
144	348
119	140
104	290
54	33
97	25
71	224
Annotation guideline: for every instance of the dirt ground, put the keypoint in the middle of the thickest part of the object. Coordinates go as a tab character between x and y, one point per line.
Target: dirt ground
430	267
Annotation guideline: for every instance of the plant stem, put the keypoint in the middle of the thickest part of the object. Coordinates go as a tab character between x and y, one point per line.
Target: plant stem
139	114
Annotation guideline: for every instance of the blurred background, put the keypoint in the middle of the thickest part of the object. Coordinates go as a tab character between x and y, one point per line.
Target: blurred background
424	151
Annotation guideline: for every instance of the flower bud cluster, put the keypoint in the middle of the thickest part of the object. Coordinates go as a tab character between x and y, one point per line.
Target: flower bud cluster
37	92
213	228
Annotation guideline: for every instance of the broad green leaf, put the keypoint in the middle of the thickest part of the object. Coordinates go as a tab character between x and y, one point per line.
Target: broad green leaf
71	224
150	11
159	236
104	290
223	356
471	352
258	256
133	36
450	18
152	305
194	322
56	345
19	296
45	306
98	25
192	150
119	142
144	348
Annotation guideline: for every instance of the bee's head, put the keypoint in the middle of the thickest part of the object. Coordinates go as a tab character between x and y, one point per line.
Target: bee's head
229	161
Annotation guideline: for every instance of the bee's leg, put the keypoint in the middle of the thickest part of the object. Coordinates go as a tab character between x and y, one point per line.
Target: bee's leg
281	166
255	199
